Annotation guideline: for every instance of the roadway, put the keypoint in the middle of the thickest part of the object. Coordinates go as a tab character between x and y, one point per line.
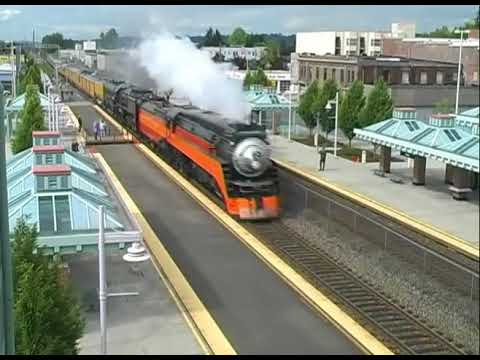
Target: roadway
256	310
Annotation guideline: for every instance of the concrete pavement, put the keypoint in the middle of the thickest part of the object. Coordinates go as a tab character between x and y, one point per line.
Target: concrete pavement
147	324
431	203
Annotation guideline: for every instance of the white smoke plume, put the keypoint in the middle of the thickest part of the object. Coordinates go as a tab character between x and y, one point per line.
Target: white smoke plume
175	63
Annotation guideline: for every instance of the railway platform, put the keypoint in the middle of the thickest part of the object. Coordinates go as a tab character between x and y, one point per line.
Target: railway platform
89	115
430	206
254	308
145	324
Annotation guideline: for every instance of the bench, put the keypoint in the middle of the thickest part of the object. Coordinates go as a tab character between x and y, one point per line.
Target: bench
459	194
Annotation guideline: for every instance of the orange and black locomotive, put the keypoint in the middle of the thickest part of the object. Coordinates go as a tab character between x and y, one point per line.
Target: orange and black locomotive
229	158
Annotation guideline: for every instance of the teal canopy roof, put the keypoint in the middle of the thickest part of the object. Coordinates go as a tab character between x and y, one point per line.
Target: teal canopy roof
19	102
65	208
455	142
263	99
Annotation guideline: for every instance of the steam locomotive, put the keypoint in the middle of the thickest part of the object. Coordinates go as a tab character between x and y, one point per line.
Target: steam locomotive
229	158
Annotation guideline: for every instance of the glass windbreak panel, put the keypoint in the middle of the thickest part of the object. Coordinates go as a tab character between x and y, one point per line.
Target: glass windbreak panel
80	214
93	217
45	212
29	210
62	210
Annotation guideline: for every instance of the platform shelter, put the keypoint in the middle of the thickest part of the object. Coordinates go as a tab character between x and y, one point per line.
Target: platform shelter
452	139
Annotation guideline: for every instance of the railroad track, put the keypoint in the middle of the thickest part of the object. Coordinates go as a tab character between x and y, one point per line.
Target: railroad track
400	330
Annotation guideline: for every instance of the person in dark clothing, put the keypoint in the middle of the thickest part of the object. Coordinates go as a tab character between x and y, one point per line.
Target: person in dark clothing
323	158
79	124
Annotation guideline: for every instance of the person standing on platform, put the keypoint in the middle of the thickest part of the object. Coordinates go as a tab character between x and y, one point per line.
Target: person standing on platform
103	128
323	158
96	129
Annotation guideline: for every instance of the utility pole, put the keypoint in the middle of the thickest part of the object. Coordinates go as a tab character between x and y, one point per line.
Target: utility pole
102	293
14	71
459	72
7	326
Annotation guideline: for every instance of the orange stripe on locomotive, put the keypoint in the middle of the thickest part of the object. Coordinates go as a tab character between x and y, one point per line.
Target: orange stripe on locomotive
202	153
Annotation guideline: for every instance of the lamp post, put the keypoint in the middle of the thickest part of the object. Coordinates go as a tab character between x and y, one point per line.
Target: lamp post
136	253
329	107
290	114
459	65
7	326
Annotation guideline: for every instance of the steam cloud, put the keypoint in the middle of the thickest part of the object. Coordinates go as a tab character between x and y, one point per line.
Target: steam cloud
177	64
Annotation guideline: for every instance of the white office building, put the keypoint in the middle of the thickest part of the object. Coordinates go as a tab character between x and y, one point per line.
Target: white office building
346	43
229	53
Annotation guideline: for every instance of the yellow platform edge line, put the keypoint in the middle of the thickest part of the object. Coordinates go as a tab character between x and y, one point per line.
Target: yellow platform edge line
354	331
205	329
434	233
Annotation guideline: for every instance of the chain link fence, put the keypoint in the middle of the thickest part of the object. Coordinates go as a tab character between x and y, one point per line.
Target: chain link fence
337	217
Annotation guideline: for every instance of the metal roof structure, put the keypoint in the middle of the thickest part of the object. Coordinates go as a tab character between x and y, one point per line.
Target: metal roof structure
448	138
19	102
61	191
265	99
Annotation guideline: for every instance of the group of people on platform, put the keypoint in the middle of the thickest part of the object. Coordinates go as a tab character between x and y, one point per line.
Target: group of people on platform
99	129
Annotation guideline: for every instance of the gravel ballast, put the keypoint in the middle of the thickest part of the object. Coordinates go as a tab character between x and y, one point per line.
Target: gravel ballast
455	315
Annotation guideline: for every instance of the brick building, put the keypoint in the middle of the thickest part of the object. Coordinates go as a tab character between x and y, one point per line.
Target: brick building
440	50
394	70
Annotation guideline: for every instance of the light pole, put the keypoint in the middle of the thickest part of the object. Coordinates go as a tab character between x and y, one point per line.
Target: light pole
7	325
136	253
459	65
329	107
290	114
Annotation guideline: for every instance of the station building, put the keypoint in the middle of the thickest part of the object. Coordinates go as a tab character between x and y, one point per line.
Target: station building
61	191
454	140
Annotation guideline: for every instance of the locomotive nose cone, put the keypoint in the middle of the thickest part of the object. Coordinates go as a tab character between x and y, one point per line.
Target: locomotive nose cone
256	165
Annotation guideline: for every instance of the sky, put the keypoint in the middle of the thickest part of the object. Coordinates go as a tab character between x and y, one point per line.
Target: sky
87	21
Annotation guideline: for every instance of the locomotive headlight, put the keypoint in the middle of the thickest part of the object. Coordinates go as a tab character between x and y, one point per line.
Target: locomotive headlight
251	157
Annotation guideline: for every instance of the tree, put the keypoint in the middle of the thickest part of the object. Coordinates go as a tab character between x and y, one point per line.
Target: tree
53	39
257	77
350	108
218	57
271	58
443	107
327	92
48	318
31	119
218	38
240	62
208	39
379	105
238	37
305	107
31	75
110	39
255	40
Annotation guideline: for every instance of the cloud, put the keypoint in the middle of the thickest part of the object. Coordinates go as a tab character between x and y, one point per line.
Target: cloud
7	14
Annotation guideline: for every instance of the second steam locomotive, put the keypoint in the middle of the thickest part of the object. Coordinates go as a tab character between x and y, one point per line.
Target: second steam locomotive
229	158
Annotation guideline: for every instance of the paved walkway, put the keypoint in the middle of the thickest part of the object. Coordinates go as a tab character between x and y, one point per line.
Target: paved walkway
147	324
431	203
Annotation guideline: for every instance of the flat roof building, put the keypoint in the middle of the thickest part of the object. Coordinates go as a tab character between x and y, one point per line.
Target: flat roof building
433	49
344	43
